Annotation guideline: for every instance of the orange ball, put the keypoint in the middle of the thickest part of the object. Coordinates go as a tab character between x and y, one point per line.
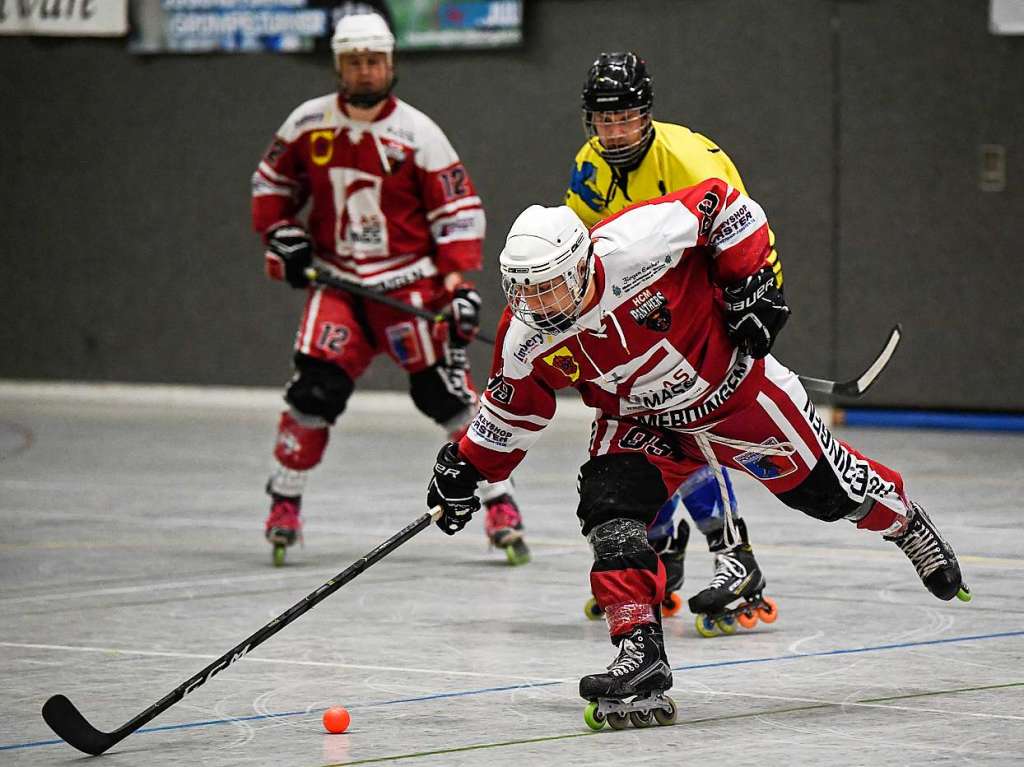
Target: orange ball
336	719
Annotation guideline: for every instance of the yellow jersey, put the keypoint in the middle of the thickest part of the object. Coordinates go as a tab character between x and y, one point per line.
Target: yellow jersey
678	158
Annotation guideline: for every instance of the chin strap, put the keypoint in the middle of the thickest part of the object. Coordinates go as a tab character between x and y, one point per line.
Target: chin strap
367	100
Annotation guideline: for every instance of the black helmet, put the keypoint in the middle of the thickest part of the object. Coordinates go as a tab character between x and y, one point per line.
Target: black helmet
618	82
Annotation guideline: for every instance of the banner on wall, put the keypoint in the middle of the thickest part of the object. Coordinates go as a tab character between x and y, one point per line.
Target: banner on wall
72	18
202	26
1006	17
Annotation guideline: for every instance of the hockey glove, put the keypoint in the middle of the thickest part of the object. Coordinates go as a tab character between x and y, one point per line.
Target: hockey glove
755	311
463	316
289	253
453	488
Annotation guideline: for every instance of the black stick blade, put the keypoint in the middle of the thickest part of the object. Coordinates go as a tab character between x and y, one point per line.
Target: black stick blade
65	720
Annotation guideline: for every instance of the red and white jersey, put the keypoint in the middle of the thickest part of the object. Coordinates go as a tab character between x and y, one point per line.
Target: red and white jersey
652	345
391	202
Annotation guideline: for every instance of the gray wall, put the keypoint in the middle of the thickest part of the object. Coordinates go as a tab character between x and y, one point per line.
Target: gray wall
126	246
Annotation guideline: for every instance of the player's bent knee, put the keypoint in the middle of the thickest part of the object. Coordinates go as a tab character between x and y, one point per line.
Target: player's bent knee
438	396
619	487
319	388
821	495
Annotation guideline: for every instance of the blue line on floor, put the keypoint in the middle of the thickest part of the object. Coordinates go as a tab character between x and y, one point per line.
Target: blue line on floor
481	691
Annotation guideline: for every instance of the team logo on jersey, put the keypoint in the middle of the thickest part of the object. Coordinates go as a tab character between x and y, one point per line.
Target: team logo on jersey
396	154
764	466
578	185
321	146
563	361
403	343
650	310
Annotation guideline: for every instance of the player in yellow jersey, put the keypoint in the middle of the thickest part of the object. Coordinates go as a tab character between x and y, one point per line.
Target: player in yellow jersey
629	157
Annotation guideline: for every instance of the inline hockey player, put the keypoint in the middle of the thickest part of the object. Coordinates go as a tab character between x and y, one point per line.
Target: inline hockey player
631	315
392	209
630	157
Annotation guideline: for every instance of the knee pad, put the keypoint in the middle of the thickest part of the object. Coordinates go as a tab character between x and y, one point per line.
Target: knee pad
319	388
442	394
619	486
820	495
618	538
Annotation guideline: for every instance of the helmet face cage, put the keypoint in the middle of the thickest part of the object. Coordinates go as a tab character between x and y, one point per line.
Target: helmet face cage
617	99
553	305
620	137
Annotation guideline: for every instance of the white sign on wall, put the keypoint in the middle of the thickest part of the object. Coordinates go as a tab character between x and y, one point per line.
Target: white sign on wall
1006	17
73	18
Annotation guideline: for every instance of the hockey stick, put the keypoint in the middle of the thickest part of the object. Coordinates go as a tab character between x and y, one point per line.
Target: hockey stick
329	280
65	720
854	388
861	384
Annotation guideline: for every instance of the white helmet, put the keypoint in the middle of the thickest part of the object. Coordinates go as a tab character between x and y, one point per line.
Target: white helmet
362	32
546	266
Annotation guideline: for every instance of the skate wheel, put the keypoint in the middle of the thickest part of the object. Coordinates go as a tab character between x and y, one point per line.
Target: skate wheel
663	717
618	721
747	619
595	719
727	625
673	604
278	554
964	594
641	719
705	626
518	553
592	610
769	611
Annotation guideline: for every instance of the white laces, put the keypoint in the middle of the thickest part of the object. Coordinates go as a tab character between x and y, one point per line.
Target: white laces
726	568
630	658
924	549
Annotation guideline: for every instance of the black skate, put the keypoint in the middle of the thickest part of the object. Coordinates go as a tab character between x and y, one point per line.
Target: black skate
672	552
932	557
735	595
633	688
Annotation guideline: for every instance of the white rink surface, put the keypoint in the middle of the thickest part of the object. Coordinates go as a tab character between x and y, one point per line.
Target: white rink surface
131	555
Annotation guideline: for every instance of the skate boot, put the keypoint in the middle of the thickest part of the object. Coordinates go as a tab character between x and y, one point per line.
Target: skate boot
672	553
504	527
283	527
932	556
734	596
633	688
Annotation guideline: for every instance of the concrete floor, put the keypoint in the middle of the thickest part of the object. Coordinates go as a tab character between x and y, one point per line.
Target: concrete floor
131	555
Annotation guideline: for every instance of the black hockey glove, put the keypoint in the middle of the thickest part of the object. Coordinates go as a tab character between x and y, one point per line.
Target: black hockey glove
755	311
464	319
453	488
289	253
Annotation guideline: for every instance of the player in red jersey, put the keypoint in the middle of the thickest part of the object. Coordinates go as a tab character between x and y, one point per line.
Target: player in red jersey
663	317
391	208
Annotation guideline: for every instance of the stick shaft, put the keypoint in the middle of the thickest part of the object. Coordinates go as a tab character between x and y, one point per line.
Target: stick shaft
330	281
260	636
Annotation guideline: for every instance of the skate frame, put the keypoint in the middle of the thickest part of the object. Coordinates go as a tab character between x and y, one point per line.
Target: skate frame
65	720
855	388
